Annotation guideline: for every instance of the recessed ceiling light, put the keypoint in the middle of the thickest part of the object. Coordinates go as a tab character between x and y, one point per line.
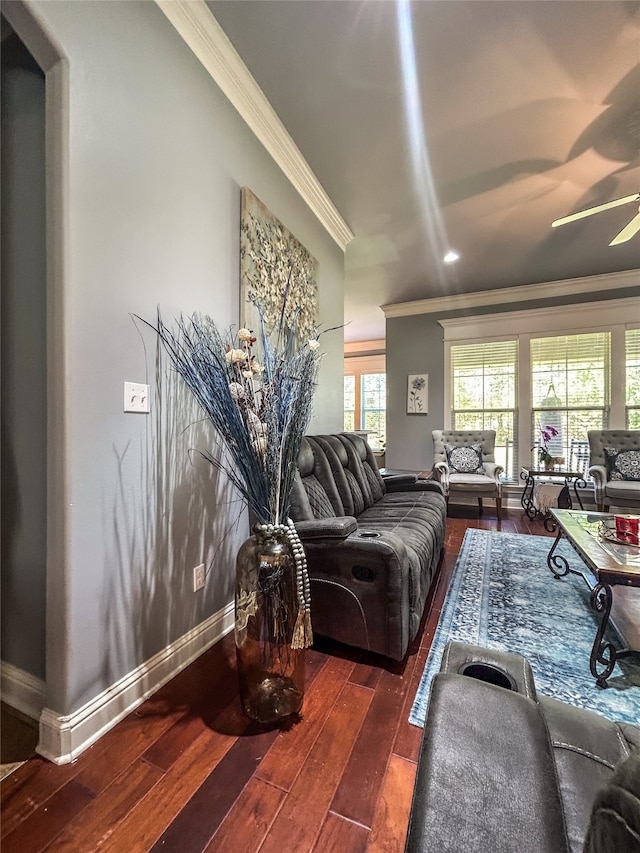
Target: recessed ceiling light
451	257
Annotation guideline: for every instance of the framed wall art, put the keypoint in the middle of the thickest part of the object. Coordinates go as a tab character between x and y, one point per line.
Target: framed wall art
417	394
274	265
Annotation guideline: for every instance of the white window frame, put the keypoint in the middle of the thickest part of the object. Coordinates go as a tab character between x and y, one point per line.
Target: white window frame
614	316
507	409
629	407
363	357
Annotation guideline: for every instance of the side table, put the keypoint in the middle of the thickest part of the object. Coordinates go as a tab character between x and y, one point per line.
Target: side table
571	479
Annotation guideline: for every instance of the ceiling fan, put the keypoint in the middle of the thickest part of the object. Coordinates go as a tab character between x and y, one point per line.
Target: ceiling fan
627	232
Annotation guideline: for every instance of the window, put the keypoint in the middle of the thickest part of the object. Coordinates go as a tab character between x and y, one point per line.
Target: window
365	406
484	384
373	407
349	403
575	368
365	402
569	388
632	362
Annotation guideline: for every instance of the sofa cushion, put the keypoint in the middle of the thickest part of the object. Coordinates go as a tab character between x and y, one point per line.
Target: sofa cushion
615	817
320	504
466	459
346	472
361	468
622	490
622	464
472	483
587	748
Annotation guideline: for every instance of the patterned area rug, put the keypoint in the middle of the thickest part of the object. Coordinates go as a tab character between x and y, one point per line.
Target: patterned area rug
503	596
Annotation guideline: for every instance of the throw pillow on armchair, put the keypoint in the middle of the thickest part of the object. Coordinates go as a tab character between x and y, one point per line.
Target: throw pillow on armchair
465	459
622	464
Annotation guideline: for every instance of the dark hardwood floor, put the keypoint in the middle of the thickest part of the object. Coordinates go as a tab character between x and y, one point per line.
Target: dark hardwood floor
187	772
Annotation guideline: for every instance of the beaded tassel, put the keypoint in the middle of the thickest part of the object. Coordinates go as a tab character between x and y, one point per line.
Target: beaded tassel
302	633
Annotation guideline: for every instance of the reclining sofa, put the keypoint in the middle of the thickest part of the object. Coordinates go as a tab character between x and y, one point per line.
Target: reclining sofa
372	544
501	769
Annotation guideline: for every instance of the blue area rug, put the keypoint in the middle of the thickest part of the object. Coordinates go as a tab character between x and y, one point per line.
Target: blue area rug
503	596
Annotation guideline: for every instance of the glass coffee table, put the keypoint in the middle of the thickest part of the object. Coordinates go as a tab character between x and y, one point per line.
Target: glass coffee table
611	562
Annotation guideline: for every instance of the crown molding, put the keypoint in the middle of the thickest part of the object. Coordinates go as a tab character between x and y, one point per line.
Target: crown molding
203	34
354	348
522	293
581	317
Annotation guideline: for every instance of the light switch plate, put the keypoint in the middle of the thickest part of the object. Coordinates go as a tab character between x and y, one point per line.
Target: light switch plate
136	397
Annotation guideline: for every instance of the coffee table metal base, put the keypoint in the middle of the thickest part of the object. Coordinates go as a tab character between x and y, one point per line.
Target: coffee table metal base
603	653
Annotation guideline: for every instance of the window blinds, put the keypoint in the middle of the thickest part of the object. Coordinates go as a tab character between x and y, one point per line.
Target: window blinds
632	364
484	393
575	367
484	375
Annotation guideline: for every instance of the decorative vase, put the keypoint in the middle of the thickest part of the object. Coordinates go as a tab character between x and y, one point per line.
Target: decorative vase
549	464
272	624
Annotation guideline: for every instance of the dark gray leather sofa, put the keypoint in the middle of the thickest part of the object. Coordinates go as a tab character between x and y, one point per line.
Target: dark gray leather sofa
507	771
372	544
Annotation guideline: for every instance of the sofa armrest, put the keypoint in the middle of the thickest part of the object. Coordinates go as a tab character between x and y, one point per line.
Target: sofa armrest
422	486
493	470
459	657
412	485
386	547
599	475
391	480
360	590
486	776
338	527
441	473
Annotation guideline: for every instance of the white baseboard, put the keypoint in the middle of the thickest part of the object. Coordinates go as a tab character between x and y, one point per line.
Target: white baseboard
21	690
63	738
512	494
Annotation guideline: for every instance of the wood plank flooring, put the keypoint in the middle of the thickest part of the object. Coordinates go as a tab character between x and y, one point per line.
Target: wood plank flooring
19	737
187	772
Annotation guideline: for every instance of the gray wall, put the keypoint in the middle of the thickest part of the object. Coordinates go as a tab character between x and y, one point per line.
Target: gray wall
413	345
416	345
157	157
23	354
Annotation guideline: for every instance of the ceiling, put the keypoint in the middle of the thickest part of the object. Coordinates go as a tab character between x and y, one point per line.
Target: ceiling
458	124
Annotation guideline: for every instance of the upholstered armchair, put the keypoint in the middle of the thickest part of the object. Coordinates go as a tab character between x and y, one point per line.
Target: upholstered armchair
464	463
614	465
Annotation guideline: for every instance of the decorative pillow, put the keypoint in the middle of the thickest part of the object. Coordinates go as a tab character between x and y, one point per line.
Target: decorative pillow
622	464
466	459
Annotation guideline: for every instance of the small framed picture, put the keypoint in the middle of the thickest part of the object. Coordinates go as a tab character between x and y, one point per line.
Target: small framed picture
417	394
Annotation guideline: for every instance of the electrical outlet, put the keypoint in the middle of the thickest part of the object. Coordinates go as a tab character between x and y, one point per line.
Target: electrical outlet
198	577
136	397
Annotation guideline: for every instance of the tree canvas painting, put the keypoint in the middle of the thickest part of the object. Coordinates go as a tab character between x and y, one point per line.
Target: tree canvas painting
274	264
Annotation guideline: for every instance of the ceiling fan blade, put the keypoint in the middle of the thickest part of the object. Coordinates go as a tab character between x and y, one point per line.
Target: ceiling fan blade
628	231
598	209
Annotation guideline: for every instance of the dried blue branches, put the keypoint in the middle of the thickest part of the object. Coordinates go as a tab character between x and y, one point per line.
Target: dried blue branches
260	410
